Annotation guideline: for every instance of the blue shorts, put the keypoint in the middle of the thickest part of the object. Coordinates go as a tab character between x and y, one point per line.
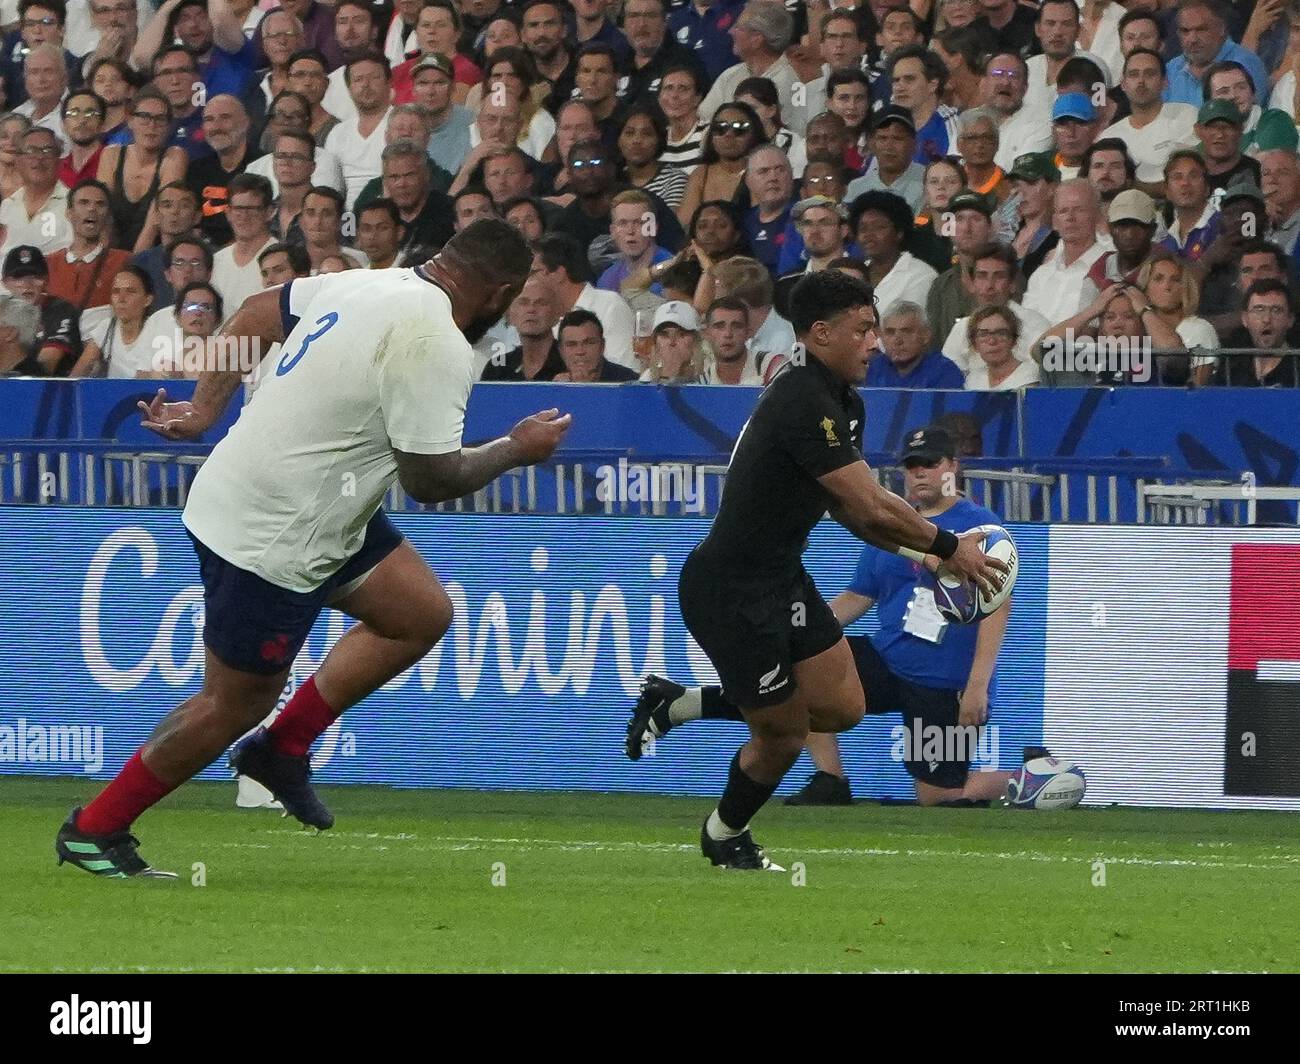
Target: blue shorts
254	626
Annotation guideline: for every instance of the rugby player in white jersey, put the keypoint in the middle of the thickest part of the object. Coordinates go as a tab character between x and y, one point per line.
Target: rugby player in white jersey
370	386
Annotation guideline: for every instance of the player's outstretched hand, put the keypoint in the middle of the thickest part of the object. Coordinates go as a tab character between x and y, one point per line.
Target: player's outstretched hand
539	435
174	421
972	563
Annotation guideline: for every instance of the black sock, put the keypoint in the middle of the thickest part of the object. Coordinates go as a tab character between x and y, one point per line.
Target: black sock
743	797
714	705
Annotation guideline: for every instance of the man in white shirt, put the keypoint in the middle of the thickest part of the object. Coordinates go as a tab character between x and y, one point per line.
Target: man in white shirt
992	281
45	76
1154	128
236	273
356	28
1056	288
37	214
358	143
1020	132
1057	31
286	517
759	38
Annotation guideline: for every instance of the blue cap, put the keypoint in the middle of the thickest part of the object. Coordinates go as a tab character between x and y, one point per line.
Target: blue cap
1073	105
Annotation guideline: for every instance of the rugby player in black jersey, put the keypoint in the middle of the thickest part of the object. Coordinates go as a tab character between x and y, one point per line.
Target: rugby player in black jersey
745	596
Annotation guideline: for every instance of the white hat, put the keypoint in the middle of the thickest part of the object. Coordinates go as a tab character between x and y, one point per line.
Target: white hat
676	312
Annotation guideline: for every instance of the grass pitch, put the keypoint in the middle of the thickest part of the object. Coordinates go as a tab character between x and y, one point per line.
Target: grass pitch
497	881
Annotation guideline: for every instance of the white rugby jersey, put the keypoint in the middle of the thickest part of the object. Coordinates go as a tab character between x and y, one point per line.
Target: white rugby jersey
371	362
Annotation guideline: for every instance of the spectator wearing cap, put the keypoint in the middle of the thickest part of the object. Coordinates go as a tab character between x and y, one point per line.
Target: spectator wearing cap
582	348
771	191
1074	126
1020	132
1057	33
893	168
37	214
1154	128
992	279
1203	37
993	334
823	228
970	218
1131	219
432	79
1108	166
916	78
57	343
632	228
1219	125
704	29
537	358
82	274
1056	288
83	125
907	358
1281	188
1195	223
883	224
675	356
1035	178
759	38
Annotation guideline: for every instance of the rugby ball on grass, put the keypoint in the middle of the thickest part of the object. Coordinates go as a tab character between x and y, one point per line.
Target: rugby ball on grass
958	599
1047	783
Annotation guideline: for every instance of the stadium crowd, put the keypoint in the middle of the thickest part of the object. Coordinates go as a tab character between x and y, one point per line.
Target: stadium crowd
1021	184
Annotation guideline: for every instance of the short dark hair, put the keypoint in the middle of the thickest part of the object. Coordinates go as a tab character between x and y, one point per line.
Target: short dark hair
59	8
1109	144
207	286
493	249
579	317
1223	66
470	190
84	91
1079	70
125	70
314	54
930	62
254	183
1164	69
382	203
894	208
562	251
972	42
331	194
686	68
299	260
727	303
367	57
89	182
1260	246
918	23
1141	14
517	201
1265	287
846	76
825	295
598	48
141	275
301	136
171	49
180	186
195	241
1044	3
994	249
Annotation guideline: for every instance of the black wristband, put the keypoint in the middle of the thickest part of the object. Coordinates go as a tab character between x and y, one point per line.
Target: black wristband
944	545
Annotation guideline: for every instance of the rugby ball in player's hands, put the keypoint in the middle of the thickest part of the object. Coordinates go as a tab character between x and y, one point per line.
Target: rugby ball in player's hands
957	599
1047	783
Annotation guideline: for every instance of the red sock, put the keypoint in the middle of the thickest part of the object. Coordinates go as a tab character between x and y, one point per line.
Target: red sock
133	791
300	722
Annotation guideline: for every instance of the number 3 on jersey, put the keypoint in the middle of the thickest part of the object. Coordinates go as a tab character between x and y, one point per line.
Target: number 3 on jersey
323	325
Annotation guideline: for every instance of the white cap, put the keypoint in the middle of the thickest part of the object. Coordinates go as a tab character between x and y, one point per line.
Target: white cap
676	312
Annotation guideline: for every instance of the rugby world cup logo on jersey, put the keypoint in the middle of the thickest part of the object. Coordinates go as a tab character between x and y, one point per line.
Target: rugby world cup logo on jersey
1262	730
554	641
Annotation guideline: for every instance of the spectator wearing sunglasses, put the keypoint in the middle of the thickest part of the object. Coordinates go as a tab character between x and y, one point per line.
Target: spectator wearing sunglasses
733	133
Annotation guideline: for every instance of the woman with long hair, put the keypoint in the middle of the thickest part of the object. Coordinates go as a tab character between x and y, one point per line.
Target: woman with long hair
642	135
1175	294
135	172
733	133
944	178
761	95
12	128
115	347
680	95
437	31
